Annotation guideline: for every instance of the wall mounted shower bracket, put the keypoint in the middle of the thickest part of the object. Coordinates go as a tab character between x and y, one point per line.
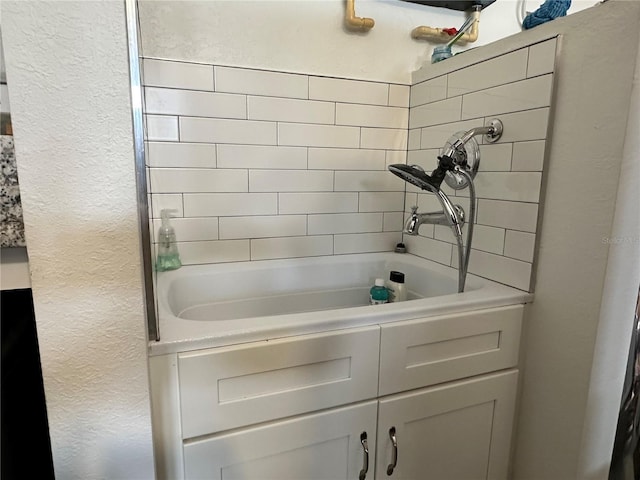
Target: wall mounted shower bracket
495	131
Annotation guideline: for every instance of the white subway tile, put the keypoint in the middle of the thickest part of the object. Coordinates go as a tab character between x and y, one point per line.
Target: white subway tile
290	110
436	113
169	154
366	242
542	58
346	159
414	139
214	130
497	71
516	186
399	95
161	201
528	156
395	156
169	101
393	222
307	135
383	181
411	199
524	95
520	245
429	91
161	128
290	181
289	247
349	91
219	251
495	157
161	73
523	126
192	229
384	138
230	204
381	202
500	269
487	239
263	226
428	202
428	248
437	135
257	82
345	223
427	159
371	116
261	156
323	202
176	180
511	215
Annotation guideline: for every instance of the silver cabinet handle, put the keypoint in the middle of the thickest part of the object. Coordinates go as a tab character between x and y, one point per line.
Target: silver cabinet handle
365	447
394	452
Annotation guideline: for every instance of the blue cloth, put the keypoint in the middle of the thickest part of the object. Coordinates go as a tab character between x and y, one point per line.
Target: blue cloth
549	10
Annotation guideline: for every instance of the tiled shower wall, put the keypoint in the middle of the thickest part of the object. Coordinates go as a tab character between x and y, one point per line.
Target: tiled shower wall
263	165
516	88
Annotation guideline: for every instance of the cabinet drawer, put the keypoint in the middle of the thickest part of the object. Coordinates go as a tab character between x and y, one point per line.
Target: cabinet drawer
230	387
428	351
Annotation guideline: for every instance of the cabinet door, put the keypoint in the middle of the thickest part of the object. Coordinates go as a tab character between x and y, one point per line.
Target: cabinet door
321	446
457	431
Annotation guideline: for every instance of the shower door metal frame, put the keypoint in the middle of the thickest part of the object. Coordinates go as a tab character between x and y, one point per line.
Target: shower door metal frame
131	13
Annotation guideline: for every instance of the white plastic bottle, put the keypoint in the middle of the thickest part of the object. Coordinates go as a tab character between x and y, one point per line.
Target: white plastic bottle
396	287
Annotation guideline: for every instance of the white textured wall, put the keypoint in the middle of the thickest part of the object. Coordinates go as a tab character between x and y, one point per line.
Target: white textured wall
618	306
68	68
582	182
308	36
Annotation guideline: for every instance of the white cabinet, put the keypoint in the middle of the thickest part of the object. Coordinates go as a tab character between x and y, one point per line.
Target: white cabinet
230	387
296	408
459	431
321	446
428	351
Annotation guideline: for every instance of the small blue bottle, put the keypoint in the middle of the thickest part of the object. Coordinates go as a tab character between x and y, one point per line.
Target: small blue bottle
378	293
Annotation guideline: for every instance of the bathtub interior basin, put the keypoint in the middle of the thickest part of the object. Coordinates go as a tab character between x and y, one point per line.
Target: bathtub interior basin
280	287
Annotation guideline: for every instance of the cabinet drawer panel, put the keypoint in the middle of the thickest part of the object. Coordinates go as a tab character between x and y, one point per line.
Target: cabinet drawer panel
230	387
318	446
424	352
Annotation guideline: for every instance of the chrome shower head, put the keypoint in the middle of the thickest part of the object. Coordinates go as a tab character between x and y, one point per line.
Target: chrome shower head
415	175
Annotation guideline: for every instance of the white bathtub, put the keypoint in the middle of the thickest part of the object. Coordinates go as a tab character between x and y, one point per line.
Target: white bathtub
203	306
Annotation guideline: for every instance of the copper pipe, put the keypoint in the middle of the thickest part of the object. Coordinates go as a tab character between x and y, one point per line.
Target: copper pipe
358	24
438	34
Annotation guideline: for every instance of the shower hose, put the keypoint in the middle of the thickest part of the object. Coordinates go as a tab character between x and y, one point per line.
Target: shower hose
464	251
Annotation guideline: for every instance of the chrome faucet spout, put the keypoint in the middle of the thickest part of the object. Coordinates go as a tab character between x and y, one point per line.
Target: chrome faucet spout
453	218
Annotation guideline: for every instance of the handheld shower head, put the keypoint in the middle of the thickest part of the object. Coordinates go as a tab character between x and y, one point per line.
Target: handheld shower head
415	175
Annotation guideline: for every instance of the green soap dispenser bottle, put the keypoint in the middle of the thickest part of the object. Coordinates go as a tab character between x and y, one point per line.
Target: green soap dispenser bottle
168	256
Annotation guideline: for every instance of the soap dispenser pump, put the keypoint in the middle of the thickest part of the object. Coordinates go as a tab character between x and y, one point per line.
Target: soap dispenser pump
168	256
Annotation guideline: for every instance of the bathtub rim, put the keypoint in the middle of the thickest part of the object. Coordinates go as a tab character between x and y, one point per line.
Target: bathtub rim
181	335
